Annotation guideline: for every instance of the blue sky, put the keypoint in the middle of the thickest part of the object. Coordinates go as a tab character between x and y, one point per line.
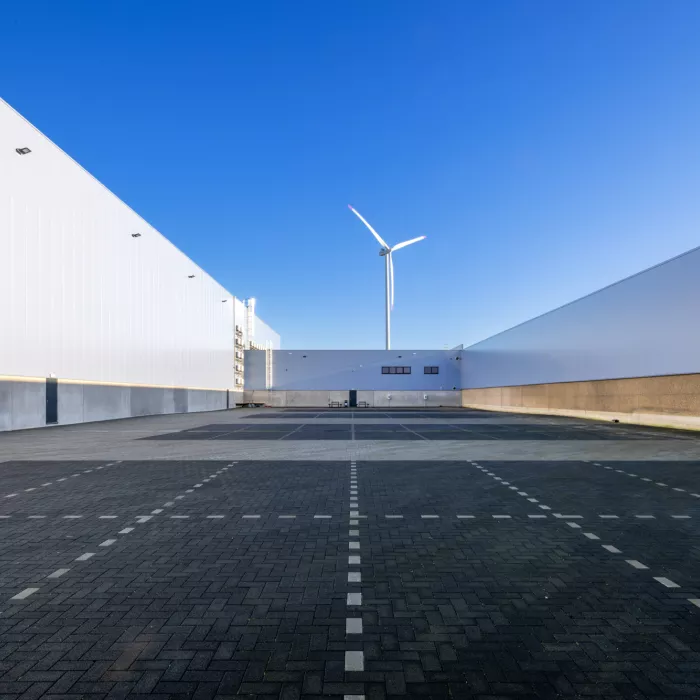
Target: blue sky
546	148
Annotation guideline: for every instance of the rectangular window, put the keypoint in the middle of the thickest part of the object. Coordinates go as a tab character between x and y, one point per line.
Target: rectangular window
407	370
396	370
385	370
431	370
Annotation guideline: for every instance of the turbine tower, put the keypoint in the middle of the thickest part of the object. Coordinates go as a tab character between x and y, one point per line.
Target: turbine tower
386	250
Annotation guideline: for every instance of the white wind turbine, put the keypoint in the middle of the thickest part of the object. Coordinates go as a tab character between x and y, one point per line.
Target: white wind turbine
387	251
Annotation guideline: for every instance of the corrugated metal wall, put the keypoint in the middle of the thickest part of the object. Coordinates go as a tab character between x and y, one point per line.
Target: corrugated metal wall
320	370
80	297
643	326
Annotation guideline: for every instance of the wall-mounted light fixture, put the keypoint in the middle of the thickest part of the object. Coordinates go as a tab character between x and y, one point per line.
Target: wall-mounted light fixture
189	277
136	235
23	151
223	301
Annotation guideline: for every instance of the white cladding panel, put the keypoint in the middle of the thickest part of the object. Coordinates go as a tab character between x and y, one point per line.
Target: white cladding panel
264	334
322	370
81	298
645	325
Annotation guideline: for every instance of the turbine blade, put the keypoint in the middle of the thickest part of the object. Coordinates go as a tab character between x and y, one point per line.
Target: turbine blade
374	233
391	279
398	246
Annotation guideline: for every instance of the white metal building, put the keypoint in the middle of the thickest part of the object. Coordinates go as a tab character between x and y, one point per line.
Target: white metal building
95	298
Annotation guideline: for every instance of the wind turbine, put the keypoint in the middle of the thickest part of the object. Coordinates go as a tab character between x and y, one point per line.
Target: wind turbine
386	251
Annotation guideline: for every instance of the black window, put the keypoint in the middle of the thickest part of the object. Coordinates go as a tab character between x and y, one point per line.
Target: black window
392	370
396	370
431	370
385	370
407	370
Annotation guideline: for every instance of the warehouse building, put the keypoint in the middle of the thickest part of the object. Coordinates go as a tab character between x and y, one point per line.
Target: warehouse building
101	316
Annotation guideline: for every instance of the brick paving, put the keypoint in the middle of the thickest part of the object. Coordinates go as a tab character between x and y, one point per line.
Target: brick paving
191	575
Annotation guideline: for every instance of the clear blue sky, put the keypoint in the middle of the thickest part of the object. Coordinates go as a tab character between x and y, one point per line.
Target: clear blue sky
546	148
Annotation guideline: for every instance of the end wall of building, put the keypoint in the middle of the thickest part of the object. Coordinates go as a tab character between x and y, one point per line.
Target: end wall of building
628	352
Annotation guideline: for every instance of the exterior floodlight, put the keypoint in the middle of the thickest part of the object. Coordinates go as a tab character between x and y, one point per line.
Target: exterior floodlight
23	151
386	251
136	235
189	277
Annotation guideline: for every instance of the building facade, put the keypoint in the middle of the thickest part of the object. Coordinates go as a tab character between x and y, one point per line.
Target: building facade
377	377
101	316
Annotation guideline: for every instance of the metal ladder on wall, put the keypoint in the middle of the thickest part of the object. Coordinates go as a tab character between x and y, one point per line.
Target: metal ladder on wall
268	365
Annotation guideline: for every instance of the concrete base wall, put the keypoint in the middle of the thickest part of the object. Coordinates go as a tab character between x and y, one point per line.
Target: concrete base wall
321	399
669	400
23	402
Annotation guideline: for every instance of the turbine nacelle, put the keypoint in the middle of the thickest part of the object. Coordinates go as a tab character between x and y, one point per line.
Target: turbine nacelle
386	251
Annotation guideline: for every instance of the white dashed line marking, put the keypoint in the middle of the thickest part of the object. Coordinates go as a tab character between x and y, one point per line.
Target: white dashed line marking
394	517
354	545
428	517
666	582
125	531
251	517
24	594
157	511
354	599
353	625
86	556
179	517
636	564
576	526
591	536
609	517
645	517
72	517
680	517
354	577
355	661
282	517
461	517
107	543
10	495
107	517
611	548
695	602
501	517
354	560
538	516
218	517
58	573
322	517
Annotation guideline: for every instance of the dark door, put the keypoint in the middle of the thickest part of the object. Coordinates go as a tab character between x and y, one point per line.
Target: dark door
353	398
51	400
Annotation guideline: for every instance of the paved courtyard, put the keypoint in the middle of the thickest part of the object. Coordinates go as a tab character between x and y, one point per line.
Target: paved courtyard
338	554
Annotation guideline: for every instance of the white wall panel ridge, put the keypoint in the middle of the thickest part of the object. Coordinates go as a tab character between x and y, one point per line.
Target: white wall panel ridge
645	325
91	291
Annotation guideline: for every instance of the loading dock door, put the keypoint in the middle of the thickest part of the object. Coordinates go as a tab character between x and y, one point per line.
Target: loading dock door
51	400
353	398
